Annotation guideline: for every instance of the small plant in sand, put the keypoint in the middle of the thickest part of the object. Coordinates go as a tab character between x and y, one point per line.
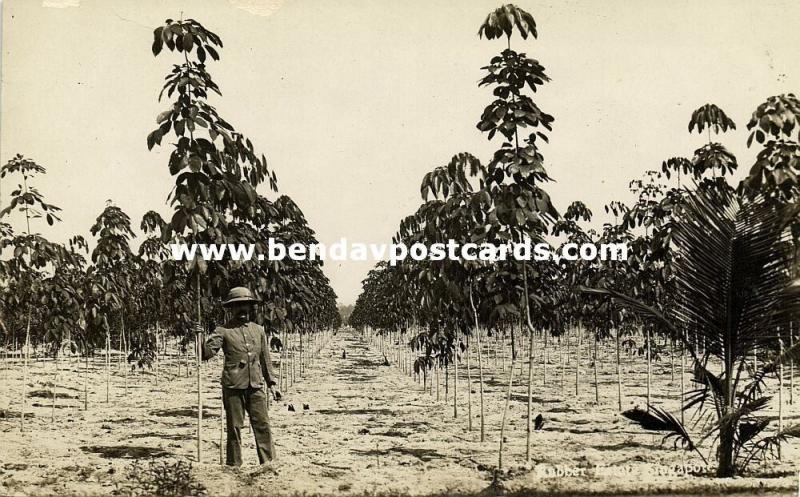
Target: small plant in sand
162	478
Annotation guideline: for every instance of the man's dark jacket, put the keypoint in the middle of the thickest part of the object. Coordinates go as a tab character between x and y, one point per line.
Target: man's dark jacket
247	362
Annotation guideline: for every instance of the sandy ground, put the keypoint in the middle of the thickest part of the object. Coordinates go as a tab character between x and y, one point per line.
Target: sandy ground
369	429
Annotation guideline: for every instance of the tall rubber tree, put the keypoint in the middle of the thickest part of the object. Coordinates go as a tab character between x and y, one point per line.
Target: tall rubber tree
33	253
520	209
215	168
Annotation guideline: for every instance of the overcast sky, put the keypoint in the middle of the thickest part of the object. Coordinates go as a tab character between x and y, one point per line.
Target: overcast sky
354	101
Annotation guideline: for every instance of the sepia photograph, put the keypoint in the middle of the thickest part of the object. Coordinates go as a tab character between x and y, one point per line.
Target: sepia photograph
390	248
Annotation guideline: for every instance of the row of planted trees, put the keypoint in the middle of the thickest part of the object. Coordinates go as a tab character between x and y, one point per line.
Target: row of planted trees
711	272
61	297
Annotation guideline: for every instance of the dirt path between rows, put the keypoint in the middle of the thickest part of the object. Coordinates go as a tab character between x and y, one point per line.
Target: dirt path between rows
368	429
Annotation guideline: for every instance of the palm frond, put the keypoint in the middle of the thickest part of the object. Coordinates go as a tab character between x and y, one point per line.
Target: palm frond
769	446
711	390
705	264
657	419
641	309
762	261
748	430
743	410
755	387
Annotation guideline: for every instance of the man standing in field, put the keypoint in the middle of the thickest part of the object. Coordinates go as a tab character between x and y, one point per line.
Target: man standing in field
247	370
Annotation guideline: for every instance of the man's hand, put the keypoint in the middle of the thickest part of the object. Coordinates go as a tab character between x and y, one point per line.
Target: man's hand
276	394
198	328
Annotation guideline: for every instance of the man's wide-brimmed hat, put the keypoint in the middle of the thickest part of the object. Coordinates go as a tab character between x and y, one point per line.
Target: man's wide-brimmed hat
239	294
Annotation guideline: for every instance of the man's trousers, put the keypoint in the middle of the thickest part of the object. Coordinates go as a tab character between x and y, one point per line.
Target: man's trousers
253	401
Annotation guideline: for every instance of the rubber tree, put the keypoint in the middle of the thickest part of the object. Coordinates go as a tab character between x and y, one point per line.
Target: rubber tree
114	267
33	254
215	168
572	309
455	218
520	209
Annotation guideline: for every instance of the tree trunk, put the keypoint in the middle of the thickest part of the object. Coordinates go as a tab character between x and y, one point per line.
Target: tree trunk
513	344
198	349
455	379
577	360
528	437
198	356
446	383
544	357
284	362
438	367
469	387
480	359
480	381
55	383
86	382
108	365
25	371
596	381
501	345
672	362
791	367
157	351
124	344
529	403
649	366
619	372
780	392
561	362
300	336
683	377
503	422
726	467
222	429
727	433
